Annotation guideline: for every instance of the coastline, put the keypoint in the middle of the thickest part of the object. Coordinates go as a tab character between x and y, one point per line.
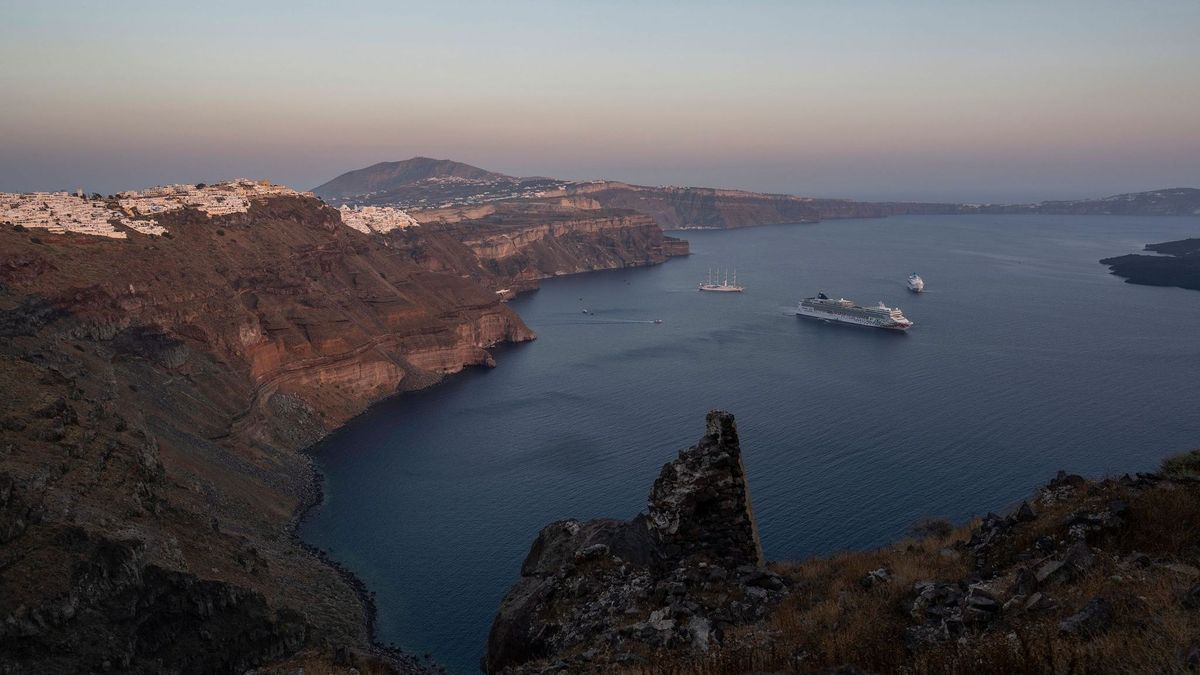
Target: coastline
312	495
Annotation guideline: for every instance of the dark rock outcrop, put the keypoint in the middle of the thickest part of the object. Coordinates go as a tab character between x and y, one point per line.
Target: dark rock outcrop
672	578
1170	263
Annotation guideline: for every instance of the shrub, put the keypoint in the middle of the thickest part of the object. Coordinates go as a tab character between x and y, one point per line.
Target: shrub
933	527
1185	465
220	232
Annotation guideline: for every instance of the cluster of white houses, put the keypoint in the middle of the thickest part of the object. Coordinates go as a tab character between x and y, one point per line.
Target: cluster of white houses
218	199
368	219
67	212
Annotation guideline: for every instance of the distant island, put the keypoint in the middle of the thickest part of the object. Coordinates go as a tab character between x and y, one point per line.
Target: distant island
422	183
1177	263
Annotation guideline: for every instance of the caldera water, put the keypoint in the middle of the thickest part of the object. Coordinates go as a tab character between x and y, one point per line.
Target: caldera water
1027	356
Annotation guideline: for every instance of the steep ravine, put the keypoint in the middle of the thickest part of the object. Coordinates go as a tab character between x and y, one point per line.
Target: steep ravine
158	390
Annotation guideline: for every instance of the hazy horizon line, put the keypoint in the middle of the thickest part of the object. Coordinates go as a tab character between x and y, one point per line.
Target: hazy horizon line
867	195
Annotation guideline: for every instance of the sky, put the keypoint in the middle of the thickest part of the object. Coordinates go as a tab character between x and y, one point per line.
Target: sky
956	100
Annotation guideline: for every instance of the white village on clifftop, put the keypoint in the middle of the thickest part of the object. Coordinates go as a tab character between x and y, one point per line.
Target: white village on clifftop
381	219
60	212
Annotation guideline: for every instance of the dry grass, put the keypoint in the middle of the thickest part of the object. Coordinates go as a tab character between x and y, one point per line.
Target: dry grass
324	663
830	620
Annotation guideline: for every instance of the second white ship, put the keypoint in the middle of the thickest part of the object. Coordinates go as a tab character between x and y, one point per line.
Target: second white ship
844	311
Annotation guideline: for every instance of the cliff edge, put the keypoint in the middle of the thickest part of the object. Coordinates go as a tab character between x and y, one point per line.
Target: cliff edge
675	576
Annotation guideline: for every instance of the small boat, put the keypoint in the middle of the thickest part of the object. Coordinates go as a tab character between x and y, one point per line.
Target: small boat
915	283
586	312
658	321
724	287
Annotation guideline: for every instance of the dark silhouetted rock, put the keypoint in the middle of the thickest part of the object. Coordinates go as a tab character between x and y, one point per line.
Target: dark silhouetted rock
670	578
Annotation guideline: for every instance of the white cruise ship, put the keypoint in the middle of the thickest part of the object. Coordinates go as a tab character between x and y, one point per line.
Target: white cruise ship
844	311
915	283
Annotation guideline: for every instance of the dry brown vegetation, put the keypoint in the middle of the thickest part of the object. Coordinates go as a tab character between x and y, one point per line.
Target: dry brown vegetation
830	620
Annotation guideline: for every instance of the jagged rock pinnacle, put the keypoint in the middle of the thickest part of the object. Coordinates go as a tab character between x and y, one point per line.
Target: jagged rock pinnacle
700	504
672	576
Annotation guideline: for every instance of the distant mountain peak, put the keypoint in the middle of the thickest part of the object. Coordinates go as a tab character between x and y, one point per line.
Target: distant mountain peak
383	176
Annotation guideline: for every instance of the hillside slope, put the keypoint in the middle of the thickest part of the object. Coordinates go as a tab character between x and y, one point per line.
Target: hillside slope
158	388
156	392
385	176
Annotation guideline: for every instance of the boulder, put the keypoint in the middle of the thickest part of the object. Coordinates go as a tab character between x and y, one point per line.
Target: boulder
1092	620
875	578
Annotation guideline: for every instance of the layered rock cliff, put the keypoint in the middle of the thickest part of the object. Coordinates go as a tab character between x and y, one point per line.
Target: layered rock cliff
156	392
698	207
158	388
515	244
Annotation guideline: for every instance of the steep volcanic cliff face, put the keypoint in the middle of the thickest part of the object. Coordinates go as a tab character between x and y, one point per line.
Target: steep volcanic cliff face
675	577
156	389
515	244
693	207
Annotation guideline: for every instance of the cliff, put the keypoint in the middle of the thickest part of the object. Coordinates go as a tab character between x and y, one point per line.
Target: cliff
1087	576
156	392
513	245
158	389
693	207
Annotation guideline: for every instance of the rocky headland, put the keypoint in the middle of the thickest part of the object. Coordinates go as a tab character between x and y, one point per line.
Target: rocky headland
1085	576
1177	263
160	387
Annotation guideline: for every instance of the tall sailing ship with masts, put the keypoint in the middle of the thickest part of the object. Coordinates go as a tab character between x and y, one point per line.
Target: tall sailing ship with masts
715	285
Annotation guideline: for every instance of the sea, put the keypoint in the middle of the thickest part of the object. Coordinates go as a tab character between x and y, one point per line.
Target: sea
1026	357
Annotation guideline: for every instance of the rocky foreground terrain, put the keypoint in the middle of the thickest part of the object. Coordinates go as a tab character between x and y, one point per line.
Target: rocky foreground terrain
1086	576
158	390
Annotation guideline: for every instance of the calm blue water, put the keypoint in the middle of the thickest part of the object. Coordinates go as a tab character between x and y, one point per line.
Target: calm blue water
1027	357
